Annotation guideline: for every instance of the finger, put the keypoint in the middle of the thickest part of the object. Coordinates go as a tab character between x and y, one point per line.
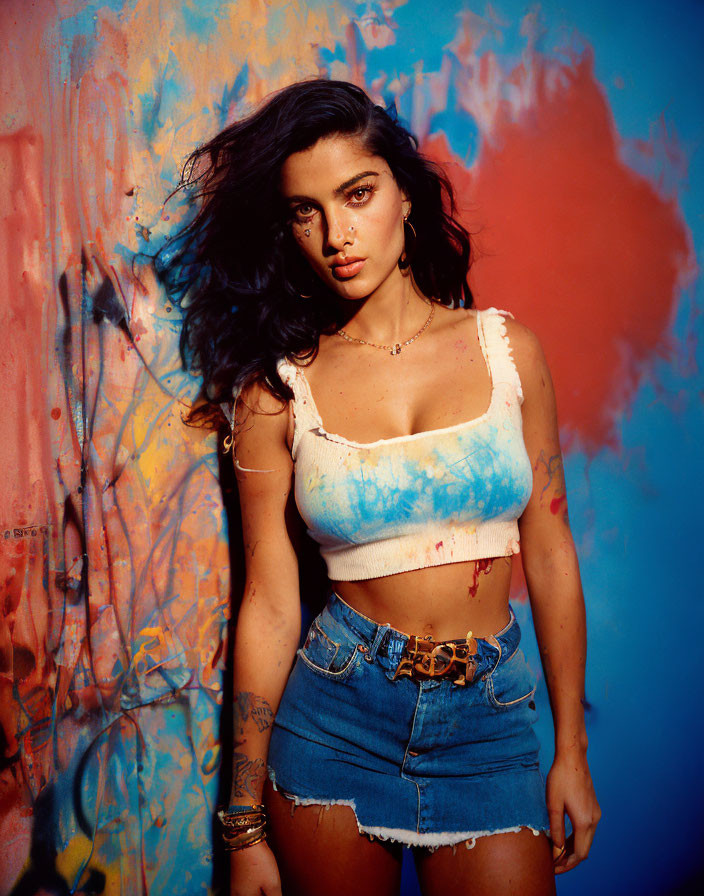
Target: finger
566	861
571	863
557	832
558	852
583	836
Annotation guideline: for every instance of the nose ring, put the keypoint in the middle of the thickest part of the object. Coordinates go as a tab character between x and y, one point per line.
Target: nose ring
351	229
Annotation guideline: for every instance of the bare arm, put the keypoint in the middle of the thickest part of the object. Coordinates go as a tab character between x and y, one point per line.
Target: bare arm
557	603
269	621
268	626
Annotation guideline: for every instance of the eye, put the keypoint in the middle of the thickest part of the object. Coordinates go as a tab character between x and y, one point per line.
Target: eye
361	194
303	212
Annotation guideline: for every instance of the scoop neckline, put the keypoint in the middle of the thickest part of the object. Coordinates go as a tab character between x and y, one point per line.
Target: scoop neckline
335	437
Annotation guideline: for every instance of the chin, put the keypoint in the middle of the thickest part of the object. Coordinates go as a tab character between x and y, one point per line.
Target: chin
353	292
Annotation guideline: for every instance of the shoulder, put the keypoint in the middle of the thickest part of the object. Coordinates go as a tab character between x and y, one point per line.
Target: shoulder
261	435
526	353
529	360
256	398
525	345
522	341
260	417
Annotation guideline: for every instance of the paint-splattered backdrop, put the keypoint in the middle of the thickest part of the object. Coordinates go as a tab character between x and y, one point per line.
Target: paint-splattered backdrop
574	135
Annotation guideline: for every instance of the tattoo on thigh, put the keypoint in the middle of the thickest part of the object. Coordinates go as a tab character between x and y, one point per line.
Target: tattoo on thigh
251	706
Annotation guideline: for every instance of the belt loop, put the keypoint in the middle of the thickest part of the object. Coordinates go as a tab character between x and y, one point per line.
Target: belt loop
376	644
491	639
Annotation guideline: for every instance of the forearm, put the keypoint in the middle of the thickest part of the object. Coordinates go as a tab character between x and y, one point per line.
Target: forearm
265	646
559	617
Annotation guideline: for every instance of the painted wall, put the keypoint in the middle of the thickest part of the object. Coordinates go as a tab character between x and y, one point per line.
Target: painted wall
573	132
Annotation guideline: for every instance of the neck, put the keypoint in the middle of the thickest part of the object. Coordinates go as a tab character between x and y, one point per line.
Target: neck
391	314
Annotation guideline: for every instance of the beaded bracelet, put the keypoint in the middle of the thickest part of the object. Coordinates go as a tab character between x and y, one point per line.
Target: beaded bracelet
242	826
238	810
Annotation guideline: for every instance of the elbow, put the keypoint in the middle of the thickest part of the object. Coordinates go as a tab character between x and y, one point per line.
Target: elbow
551	562
275	610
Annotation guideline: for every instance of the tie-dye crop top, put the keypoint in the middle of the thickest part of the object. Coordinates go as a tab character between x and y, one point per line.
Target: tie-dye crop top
440	496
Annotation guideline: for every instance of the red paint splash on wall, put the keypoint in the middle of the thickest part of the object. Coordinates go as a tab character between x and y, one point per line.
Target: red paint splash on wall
580	247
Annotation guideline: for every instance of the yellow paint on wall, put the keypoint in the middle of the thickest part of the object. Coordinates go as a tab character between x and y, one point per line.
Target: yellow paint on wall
70	860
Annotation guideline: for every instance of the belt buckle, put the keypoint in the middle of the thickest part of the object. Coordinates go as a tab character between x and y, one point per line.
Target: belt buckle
423	659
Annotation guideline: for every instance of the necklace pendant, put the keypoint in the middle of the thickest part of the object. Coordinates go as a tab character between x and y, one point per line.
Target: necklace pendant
396	349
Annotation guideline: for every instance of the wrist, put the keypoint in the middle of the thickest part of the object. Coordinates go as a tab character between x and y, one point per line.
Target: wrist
236	808
570	745
242	826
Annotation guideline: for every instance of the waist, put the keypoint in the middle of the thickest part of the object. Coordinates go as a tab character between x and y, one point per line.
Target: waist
387	645
441	601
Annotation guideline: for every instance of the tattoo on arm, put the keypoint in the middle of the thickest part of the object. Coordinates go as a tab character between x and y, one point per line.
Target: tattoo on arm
553	470
554	475
247	776
251	706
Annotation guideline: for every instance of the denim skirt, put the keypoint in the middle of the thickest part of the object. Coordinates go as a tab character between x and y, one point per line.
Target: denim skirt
428	763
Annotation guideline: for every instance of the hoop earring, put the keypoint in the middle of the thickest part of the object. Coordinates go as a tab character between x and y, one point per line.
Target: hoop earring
296	289
404	261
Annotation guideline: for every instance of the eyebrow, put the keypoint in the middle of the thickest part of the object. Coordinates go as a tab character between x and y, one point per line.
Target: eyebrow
341	189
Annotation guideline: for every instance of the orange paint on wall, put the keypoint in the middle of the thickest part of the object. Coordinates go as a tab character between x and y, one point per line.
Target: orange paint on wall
579	246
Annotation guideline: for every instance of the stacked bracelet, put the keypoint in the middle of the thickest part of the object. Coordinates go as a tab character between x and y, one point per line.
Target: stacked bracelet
242	826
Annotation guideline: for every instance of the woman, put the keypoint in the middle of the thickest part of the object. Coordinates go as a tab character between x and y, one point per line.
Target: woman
417	439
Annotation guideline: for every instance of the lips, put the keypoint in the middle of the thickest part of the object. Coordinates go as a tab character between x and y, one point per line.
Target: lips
347	268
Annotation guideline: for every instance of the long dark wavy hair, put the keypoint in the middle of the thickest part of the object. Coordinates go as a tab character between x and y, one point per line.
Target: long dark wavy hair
249	297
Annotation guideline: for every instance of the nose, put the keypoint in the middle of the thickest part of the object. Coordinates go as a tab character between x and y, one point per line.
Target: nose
338	232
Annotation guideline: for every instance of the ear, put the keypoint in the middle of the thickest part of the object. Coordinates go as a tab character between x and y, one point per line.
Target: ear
406	205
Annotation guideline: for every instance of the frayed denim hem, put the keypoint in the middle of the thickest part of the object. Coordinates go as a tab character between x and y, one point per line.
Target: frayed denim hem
437	839
431	841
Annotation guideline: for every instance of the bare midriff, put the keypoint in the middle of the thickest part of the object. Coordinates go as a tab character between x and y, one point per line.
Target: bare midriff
442	602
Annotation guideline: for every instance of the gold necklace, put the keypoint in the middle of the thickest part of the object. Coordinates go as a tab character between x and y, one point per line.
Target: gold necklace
394	349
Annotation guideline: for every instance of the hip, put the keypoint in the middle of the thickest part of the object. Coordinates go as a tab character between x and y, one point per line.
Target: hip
354	684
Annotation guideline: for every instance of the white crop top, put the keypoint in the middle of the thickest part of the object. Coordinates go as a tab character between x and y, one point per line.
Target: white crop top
435	497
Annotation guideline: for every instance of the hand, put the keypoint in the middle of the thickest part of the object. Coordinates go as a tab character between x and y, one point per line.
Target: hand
253	872
569	789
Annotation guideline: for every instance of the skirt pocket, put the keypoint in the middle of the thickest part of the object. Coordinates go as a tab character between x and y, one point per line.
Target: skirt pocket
330	649
511	683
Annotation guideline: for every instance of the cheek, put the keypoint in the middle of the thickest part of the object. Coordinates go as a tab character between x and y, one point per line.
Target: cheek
301	239
393	217
388	230
304	243
307	247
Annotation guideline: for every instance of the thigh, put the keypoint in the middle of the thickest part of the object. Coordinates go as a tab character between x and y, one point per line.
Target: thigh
320	851
497	865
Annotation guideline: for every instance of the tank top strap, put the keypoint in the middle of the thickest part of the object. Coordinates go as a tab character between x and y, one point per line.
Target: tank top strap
305	416
498	348
229	409
289	375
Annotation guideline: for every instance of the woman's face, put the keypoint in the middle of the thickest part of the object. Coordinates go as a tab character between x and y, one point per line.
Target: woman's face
347	215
